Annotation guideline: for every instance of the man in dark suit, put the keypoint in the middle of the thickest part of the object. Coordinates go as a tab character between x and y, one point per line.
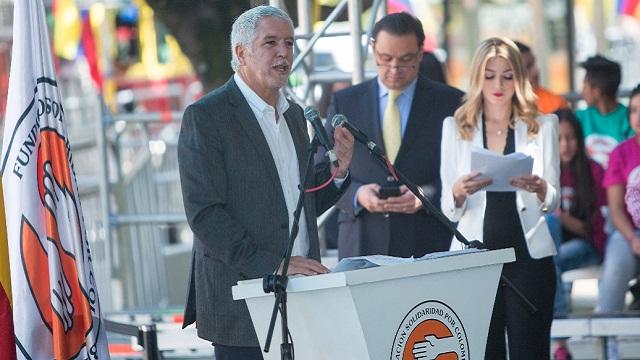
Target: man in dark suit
242	152
409	129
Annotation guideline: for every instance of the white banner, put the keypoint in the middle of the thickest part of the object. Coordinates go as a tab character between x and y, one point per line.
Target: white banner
56	309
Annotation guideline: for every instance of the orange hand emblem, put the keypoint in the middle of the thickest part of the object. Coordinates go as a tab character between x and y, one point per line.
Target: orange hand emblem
51	269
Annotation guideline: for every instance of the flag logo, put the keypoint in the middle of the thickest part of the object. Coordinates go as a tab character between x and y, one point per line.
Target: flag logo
63	304
54	252
56	309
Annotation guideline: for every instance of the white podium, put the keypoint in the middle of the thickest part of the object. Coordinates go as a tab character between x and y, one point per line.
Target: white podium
426	308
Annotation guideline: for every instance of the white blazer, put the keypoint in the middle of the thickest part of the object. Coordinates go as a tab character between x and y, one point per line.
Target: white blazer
455	162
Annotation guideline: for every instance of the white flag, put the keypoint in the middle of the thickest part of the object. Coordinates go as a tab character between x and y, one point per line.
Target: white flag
56	309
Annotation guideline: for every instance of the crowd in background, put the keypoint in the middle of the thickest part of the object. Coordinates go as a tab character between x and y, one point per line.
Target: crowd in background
599	154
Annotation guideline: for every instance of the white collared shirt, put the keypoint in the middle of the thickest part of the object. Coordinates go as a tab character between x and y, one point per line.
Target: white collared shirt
283	151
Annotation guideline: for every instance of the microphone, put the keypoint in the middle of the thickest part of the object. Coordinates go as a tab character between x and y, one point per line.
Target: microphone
313	117
341	120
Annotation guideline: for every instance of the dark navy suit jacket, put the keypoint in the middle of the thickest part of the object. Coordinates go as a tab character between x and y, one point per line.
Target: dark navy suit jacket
364	233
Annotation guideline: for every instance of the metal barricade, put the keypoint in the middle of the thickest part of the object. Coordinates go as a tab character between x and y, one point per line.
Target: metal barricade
146	334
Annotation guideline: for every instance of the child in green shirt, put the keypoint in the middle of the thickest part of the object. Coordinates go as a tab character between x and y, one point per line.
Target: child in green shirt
605	120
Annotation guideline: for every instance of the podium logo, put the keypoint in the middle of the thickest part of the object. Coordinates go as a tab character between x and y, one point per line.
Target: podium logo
430	331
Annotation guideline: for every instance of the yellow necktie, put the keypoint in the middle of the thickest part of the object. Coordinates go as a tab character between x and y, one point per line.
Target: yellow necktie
391	126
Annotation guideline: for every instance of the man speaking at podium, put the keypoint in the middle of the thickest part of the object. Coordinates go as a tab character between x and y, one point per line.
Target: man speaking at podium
241	152
402	111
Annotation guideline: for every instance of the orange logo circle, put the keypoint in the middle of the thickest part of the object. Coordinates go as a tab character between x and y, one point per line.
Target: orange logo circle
431	330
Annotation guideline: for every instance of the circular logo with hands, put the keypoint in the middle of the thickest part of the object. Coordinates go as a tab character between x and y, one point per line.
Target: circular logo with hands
430	331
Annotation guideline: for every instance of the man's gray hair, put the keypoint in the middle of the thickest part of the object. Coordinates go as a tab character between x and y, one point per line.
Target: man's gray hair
244	29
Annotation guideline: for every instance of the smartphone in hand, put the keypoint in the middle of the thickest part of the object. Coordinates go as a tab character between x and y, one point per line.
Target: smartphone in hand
389	191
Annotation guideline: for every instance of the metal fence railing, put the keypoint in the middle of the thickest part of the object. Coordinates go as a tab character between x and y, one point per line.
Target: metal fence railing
146	335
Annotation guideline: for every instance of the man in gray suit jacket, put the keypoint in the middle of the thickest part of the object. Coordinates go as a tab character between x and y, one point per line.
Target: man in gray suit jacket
369	221
242	152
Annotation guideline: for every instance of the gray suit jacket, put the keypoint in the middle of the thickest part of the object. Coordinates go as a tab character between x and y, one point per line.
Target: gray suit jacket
235	206
364	233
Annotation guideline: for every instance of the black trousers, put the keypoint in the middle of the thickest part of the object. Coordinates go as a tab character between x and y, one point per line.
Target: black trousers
528	333
223	352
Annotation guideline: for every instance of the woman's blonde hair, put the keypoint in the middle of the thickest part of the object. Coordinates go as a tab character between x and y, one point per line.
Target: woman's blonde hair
524	100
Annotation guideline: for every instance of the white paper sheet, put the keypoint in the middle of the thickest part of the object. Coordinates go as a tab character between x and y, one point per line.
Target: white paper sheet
365	262
500	168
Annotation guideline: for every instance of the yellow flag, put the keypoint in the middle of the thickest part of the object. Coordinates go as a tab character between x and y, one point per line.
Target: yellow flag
67	29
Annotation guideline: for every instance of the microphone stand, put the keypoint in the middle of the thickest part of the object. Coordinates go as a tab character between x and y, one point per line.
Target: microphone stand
442	219
277	283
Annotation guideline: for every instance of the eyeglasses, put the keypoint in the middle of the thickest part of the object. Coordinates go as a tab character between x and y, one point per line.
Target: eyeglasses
397	67
403	63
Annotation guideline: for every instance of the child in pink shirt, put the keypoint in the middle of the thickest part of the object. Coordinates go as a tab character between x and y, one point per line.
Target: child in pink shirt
622	255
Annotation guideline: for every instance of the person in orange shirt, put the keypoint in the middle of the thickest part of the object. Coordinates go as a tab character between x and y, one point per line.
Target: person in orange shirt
547	101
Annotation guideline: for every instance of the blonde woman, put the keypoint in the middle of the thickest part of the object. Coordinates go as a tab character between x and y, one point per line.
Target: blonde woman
499	113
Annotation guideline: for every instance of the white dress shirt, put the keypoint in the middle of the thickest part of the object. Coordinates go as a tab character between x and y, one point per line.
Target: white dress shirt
283	151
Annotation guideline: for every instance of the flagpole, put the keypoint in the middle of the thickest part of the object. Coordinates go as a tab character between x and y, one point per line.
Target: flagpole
101	142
